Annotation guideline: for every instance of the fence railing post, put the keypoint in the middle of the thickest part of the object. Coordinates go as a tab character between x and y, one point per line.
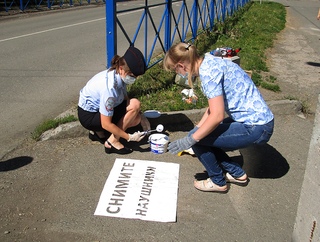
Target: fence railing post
195	19
212	6
146	28
111	31
167	31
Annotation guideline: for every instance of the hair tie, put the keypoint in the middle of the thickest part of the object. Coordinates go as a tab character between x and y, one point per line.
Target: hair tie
187	48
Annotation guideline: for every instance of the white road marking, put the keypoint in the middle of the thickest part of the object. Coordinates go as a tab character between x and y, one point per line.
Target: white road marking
62	27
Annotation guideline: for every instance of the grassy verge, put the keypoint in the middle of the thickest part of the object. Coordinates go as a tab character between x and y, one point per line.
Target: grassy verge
253	29
51	124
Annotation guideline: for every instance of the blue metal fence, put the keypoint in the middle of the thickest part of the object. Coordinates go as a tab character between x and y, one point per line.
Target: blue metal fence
168	20
181	20
23	5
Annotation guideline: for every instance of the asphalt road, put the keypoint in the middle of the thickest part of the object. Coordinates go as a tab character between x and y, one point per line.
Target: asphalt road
45	60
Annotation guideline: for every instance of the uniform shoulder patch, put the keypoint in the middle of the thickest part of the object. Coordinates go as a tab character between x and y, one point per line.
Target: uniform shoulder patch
110	103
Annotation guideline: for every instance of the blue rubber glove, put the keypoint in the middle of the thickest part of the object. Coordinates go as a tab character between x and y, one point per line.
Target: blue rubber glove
181	144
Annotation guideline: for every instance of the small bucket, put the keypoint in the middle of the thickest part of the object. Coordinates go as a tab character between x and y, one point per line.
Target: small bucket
158	143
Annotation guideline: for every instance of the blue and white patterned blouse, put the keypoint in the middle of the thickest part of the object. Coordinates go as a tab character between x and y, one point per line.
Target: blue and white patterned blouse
242	100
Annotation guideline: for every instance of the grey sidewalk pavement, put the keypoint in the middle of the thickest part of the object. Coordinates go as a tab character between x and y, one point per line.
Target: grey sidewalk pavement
49	190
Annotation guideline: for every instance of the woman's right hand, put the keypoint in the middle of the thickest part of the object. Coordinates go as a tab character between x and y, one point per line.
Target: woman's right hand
136	136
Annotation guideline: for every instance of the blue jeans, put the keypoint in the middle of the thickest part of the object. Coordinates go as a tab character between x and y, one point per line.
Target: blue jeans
229	135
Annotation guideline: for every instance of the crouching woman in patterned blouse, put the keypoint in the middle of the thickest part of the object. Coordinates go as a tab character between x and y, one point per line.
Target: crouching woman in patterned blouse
229	90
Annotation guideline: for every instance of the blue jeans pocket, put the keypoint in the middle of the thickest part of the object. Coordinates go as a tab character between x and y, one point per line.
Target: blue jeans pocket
266	134
264	138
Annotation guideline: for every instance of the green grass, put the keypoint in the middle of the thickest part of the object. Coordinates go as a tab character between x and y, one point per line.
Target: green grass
254	32
51	124
253	29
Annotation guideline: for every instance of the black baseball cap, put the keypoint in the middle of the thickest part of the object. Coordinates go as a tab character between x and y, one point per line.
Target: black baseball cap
135	61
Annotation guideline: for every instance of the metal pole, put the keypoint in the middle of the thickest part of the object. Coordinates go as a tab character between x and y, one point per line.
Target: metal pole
195	19
167	32
111	31
212	6
146	29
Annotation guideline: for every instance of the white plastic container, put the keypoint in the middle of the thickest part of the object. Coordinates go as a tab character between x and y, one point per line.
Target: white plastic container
158	143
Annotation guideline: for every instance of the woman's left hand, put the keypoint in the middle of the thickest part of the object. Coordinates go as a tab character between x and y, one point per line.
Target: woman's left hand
181	144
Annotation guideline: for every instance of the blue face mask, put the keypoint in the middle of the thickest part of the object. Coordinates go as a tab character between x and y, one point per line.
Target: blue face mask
129	80
185	76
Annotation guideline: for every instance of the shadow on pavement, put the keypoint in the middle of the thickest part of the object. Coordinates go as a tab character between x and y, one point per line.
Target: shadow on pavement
264	161
173	122
310	63
15	163
260	161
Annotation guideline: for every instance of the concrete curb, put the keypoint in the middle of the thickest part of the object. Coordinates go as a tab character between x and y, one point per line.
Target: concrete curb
308	215
285	107
74	129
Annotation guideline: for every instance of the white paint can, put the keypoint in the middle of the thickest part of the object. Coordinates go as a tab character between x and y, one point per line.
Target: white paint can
158	143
